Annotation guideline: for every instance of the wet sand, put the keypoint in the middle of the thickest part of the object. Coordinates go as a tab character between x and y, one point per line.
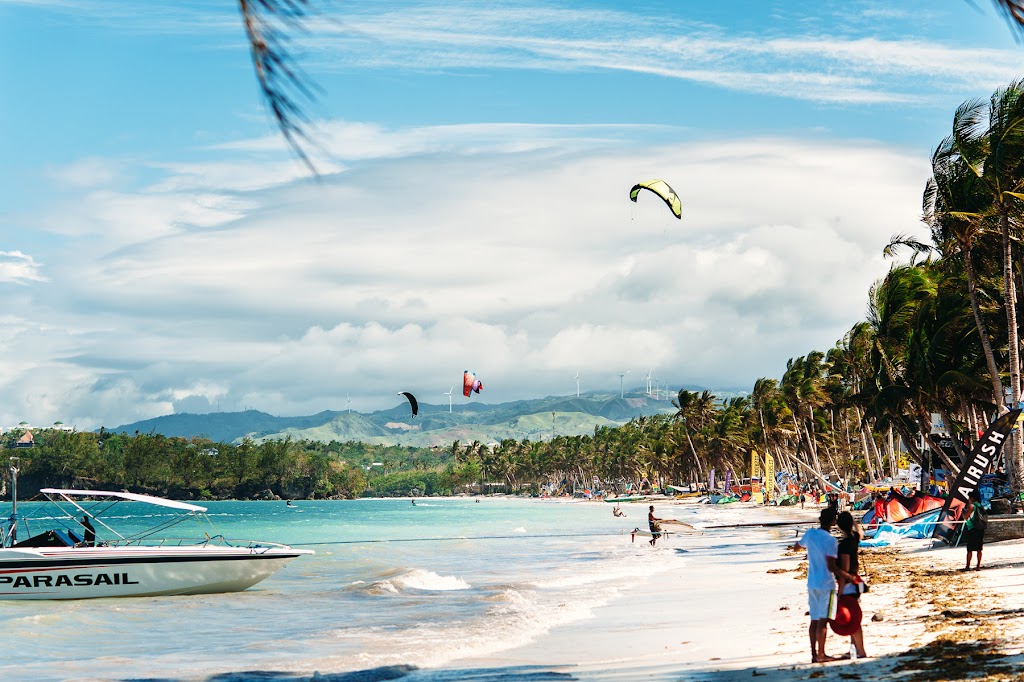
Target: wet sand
740	613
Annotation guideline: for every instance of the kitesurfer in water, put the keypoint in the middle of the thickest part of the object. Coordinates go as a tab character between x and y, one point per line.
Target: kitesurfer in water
654	523
617	511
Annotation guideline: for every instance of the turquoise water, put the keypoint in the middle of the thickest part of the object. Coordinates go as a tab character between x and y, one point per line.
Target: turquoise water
358	604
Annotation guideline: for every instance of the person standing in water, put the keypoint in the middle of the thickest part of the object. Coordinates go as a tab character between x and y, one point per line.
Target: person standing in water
654	523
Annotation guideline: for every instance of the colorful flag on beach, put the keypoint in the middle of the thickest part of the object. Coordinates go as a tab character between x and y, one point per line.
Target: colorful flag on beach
769	476
756	496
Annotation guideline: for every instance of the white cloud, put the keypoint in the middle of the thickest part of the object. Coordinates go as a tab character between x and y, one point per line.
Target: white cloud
87	173
817	67
847	57
19	268
511	251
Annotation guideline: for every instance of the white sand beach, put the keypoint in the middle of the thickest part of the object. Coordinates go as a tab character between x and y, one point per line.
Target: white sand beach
742	614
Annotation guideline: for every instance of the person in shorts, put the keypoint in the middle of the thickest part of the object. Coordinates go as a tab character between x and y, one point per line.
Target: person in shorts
822	549
654	523
974	529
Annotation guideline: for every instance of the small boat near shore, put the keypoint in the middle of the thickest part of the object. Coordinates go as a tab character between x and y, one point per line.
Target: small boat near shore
626	498
70	559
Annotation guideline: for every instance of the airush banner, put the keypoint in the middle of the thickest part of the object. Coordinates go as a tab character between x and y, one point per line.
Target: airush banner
984	454
769	477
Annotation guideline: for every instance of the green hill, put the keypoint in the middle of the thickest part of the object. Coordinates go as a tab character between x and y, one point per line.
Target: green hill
435	425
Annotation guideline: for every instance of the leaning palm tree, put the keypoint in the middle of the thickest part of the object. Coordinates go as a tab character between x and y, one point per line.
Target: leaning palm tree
989	138
956	207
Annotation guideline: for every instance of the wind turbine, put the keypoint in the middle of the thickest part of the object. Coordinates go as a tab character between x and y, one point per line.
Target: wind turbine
348	404
621	377
647	378
577	383
449	394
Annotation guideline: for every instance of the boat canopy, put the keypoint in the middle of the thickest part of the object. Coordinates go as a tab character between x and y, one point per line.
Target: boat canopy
148	499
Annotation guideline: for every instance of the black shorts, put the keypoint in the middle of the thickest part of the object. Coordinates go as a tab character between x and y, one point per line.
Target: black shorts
974	539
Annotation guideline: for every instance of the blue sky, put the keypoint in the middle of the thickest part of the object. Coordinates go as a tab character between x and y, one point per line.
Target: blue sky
162	250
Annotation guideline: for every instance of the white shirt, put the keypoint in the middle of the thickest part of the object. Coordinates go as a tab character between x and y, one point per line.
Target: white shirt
820	544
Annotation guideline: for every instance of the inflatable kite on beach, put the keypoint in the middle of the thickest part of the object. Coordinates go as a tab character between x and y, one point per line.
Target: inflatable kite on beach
899	507
470	384
412	402
663	190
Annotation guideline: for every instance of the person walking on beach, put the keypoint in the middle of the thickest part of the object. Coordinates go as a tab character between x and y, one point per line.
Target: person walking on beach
974	529
848	561
879	516
655	525
822	570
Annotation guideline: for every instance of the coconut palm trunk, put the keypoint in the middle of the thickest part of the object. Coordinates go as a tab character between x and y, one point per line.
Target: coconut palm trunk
1014	460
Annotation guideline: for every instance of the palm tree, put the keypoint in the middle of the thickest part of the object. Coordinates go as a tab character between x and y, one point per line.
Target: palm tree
989	138
956	207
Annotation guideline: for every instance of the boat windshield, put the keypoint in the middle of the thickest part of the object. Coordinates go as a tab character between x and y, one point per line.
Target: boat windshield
132	526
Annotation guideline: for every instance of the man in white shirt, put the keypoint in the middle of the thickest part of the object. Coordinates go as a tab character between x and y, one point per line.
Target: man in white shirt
822	549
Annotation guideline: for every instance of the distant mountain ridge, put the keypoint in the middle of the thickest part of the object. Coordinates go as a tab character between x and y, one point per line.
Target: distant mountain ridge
534	419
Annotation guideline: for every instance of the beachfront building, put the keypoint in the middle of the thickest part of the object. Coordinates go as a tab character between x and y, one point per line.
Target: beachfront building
25	426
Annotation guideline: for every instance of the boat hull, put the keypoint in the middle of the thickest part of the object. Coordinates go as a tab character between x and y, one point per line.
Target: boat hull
95	572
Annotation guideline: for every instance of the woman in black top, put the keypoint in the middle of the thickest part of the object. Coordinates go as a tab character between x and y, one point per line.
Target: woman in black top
847	560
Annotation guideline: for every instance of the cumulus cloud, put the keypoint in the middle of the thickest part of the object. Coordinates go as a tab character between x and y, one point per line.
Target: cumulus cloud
439	251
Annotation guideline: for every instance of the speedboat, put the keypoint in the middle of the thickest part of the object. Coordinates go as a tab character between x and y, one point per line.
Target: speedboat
73	559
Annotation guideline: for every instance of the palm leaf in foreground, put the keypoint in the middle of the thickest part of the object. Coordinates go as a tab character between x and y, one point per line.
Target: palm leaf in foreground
268	23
